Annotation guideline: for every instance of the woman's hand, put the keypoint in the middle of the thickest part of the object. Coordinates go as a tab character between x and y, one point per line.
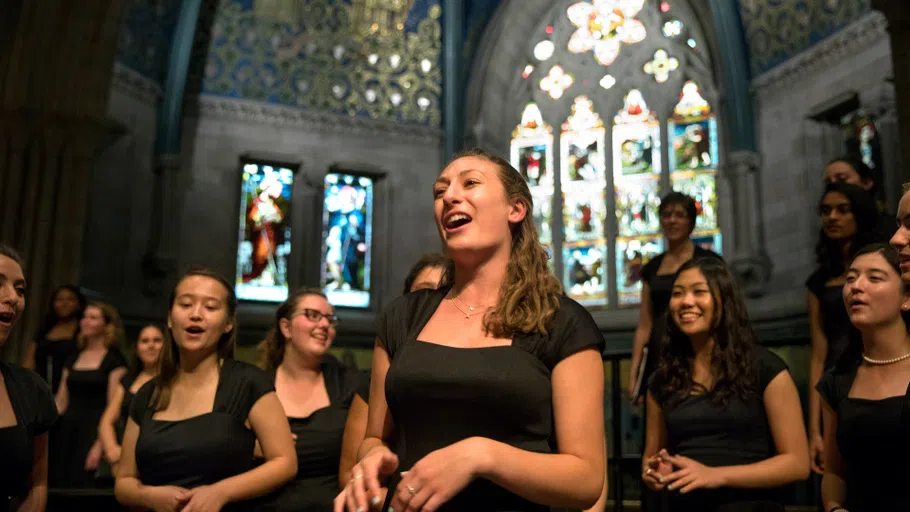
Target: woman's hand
113	455
657	467
439	476
364	490
205	498
692	475
817	453
165	498
93	457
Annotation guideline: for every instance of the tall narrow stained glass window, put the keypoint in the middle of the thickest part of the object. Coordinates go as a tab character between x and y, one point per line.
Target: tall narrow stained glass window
532	154
693	161
347	239
265	232
626	78
636	181
584	213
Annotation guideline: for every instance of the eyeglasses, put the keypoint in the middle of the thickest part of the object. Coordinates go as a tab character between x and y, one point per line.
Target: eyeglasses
314	315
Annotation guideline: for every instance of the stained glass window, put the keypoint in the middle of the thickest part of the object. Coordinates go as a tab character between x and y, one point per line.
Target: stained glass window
614	99
693	161
583	178
348	228
265	232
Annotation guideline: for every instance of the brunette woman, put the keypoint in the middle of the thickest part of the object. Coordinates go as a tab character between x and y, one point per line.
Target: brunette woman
864	396
677	214
27	409
429	273
83	396
55	342
189	439
113	422
315	390
849	221
725	426
492	387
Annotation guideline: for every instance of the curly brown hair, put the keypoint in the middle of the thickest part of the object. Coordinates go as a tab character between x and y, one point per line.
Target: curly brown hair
169	360
271	349
529	296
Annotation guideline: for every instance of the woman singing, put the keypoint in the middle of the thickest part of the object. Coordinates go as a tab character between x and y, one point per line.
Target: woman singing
315	390
189	441
56	340
113	422
864	397
27	409
493	386
725	427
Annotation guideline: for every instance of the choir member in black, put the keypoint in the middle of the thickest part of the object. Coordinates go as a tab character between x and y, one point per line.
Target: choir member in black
677	214
189	439
83	396
113	422
492	387
864	395
725	426
27	409
55	342
901	239
429	273
849	221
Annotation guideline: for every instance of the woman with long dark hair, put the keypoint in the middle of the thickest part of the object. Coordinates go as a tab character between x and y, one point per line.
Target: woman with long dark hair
725	425
849	221
189	440
864	396
315	390
27	409
429	273
55	341
492	388
113	421
83	396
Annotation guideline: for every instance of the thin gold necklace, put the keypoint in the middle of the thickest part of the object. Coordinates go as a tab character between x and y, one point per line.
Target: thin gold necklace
467	315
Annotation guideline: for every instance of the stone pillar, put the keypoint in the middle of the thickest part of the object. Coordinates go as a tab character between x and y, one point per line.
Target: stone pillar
453	104
55	69
749	260
898	14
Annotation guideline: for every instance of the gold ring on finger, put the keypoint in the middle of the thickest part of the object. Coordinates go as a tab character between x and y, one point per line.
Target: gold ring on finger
411	490
360	475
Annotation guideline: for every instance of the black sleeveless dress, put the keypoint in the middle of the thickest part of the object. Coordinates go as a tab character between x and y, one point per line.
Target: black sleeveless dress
439	395
836	322
35	411
204	449
318	444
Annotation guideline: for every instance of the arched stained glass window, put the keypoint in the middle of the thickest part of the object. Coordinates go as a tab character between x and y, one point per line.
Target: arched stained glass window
631	84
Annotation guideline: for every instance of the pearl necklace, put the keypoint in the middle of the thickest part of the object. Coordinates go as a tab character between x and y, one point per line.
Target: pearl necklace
467	316
885	361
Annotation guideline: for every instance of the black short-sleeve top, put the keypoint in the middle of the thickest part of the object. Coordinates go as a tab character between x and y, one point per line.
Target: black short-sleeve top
36	412
836	323
868	430
725	435
88	388
439	395
204	449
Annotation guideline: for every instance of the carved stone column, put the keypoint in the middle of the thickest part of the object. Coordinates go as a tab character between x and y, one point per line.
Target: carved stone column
749	259
53	98
898	14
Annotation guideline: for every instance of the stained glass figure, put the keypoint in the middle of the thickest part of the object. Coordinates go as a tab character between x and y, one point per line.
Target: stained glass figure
347	234
603	26
661	66
636	207
693	159
636	138
556	82
532	154
631	255
583	177
265	233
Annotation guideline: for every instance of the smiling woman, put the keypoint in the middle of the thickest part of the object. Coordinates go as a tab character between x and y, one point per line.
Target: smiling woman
188	444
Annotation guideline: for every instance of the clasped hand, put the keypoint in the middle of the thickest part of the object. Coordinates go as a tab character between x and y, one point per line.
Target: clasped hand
430	483
678	473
